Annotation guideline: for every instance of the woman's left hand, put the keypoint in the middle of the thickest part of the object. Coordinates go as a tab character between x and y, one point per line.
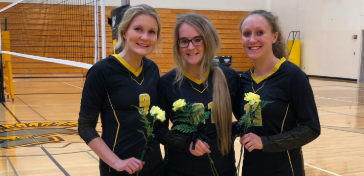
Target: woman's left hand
251	141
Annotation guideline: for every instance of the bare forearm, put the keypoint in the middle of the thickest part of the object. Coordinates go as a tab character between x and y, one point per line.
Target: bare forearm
103	151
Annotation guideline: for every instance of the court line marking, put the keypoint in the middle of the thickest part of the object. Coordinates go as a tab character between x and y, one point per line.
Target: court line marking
56	154
30	107
338	86
44	150
341	113
347	113
319	97
93	156
12	166
315	167
343	97
332	173
333	128
338	100
54	161
72	85
11	113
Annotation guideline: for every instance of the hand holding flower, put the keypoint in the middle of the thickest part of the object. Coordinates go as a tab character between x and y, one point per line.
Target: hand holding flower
251	141
189	119
158	114
200	148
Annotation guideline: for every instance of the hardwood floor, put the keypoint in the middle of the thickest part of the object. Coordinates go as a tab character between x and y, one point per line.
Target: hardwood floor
39	135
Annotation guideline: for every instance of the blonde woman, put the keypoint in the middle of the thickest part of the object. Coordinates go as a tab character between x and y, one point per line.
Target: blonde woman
112	86
198	80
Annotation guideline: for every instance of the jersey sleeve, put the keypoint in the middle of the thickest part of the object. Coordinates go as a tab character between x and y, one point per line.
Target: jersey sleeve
93	96
305	111
303	101
170	139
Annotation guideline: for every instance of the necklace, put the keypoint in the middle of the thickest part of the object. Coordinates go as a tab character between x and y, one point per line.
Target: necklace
255	91
199	90
251	78
136	80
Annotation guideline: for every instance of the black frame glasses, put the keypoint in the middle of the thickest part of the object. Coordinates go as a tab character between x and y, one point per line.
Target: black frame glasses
194	42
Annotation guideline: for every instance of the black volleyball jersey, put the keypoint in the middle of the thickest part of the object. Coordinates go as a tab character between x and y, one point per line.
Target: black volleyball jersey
194	91
293	104
112	86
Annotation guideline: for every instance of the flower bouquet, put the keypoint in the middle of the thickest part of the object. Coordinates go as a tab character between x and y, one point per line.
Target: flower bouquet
158	114
250	118
189	119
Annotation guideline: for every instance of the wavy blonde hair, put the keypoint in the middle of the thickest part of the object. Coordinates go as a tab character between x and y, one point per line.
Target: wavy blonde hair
128	17
222	110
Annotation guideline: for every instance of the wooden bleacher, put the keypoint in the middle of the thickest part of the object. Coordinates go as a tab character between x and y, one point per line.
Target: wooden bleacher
226	22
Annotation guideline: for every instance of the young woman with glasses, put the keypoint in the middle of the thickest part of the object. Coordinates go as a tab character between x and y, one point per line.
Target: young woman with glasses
197	79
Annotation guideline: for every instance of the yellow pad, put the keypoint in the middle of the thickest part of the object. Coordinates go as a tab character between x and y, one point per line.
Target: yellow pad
295	55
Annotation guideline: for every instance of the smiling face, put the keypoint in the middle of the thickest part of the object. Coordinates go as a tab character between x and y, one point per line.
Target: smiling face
257	37
141	36
191	54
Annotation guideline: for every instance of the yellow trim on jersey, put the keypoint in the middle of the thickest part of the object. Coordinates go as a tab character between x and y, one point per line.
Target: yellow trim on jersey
276	67
284	119
197	81
117	131
290	162
130	68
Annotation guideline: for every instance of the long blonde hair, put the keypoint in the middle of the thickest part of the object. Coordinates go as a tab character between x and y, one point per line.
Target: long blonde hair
128	17
222	111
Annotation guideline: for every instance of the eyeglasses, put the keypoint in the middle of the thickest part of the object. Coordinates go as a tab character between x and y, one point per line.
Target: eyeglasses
184	43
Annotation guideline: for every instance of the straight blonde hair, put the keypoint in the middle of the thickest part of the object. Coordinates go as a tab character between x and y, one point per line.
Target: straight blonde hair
128	17
222	110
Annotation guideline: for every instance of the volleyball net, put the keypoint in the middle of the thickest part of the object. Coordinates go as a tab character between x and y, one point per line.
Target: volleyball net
42	35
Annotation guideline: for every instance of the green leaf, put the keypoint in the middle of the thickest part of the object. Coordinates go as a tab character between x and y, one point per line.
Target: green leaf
197	112
264	103
141	110
190	107
184	114
184	128
183	120
243	119
141	131
204	116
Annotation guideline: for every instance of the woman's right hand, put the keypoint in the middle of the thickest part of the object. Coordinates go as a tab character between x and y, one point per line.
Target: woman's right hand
200	148
130	165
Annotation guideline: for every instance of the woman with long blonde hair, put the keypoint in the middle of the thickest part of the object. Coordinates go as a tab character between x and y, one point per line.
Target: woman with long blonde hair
198	79
112	86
